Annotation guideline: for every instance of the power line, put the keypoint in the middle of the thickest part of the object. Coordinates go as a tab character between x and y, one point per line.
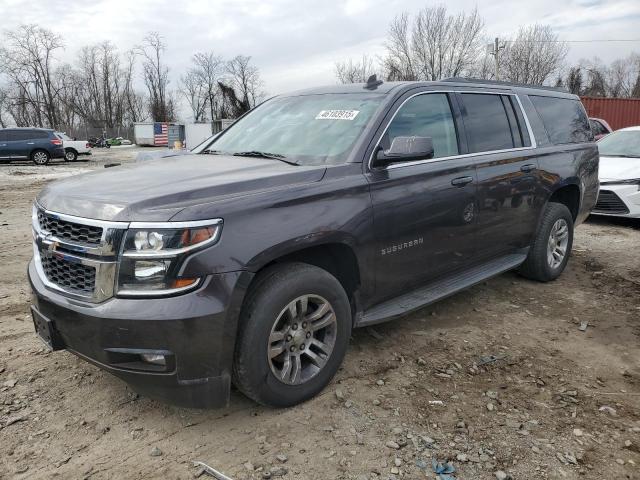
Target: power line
576	41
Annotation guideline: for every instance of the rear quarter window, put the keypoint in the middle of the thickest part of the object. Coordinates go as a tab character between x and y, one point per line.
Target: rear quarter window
564	119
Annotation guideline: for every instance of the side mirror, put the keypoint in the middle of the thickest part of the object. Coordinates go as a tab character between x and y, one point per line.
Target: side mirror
406	149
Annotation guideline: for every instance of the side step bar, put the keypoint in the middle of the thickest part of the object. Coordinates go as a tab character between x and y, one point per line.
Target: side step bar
416	299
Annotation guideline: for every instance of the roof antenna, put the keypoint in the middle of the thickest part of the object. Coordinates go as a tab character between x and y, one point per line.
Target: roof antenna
373	82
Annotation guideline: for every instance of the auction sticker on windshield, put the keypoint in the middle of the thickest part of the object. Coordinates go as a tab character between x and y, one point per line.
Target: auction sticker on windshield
337	114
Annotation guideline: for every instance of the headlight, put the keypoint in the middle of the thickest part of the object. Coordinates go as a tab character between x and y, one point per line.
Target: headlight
153	253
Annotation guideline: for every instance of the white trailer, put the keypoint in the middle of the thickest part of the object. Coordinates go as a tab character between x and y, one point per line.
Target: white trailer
143	134
196	133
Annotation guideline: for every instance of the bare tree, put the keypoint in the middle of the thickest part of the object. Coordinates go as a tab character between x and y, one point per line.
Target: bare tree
195	93
534	56
350	71
156	77
209	69
244	79
27	58
4	103
574	80
434	45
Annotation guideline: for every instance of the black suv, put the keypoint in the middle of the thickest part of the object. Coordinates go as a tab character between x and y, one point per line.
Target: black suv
36	144
251	260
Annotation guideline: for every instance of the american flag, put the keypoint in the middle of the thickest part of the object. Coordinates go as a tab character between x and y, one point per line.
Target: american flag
160	135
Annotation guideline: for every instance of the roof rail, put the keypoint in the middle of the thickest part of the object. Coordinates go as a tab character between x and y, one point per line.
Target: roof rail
506	84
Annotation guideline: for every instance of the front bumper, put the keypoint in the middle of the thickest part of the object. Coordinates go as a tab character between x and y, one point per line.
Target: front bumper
618	201
196	331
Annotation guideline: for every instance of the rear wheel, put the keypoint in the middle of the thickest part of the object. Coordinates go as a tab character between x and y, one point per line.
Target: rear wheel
551	247
293	334
40	157
70	155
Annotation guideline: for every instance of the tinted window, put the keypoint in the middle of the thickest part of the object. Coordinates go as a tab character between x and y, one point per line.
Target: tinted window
3	136
427	115
21	135
564	119
486	123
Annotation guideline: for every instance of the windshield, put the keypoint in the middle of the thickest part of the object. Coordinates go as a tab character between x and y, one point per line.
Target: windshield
305	130
621	144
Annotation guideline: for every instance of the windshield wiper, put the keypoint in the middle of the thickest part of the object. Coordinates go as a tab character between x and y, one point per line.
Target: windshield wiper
270	156
213	152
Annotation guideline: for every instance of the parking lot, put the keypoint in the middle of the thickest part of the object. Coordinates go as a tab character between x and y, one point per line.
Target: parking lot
498	378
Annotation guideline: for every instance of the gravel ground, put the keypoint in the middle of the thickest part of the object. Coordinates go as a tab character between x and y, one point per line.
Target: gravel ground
556	402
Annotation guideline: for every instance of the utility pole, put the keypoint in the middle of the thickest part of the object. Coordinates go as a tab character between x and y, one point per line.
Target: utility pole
495	50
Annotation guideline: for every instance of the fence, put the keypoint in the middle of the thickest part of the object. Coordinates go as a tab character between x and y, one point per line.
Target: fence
617	112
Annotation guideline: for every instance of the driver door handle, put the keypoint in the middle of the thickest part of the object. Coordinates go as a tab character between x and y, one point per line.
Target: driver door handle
461	181
528	167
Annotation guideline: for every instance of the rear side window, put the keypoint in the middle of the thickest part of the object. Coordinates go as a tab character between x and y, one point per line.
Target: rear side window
564	119
426	115
39	134
3	136
487	123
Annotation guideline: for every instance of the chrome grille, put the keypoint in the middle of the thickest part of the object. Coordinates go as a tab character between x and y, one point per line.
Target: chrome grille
609	202
76	256
70	276
65	230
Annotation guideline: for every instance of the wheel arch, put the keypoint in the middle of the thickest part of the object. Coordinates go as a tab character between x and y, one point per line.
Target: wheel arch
570	195
338	257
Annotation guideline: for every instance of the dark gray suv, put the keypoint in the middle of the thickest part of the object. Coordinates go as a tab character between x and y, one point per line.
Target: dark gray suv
36	144
319	211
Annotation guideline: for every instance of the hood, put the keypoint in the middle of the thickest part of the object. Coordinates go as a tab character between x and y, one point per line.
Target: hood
156	190
618	168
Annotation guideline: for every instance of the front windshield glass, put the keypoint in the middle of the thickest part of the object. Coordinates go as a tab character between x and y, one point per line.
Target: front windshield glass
306	130
621	144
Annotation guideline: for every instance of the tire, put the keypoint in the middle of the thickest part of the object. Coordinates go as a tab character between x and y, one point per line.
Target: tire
544	262
40	157
70	155
267	326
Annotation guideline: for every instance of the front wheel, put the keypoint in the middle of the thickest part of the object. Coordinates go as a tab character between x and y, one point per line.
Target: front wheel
293	335
551	248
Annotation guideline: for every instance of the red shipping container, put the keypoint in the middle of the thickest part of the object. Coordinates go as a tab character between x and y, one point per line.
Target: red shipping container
617	112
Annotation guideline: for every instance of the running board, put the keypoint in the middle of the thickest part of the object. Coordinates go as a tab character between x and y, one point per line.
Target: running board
417	299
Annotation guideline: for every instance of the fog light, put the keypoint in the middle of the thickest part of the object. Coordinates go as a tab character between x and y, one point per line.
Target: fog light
153	358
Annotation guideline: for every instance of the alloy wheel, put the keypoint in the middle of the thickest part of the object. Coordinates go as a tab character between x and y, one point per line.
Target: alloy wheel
302	339
40	158
558	241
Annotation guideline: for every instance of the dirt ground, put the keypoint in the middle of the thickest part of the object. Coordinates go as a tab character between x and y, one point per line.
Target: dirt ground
556	402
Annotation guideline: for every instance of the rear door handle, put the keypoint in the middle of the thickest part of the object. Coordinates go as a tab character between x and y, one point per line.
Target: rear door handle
30	143
528	167
461	181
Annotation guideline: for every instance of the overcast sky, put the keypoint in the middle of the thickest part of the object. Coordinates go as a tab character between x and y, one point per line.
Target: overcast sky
296	42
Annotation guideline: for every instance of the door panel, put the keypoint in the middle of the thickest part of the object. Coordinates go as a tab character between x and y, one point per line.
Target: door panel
424	212
507	170
507	202
18	144
4	148
424	223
